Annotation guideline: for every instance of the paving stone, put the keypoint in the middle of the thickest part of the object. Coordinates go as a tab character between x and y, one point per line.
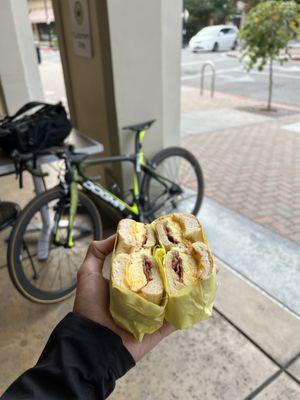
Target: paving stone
295	368
265	258
25	328
209	361
201	121
271	326
256	164
283	388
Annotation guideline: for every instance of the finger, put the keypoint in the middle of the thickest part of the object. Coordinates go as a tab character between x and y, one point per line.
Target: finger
100	249
96	254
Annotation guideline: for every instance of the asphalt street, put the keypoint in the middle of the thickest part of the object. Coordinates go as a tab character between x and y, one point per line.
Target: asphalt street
233	78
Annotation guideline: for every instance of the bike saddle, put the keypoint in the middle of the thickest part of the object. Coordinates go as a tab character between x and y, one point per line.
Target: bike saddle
140	127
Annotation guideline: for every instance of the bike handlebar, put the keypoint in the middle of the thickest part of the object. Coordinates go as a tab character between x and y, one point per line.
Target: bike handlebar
58	151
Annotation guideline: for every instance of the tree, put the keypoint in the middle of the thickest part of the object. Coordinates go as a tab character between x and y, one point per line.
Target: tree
207	12
267	29
251	3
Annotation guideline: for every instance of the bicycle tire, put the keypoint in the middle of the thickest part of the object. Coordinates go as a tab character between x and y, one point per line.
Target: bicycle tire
164	154
15	268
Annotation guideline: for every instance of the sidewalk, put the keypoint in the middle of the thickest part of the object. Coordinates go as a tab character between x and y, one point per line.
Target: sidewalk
249	348
242	350
233	355
250	160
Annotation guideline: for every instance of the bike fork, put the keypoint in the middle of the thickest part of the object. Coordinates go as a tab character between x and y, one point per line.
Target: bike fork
73	208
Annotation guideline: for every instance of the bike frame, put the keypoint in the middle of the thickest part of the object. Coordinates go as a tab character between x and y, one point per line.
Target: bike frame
140	166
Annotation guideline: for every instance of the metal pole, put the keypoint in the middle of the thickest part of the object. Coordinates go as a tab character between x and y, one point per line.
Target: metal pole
48	23
213	78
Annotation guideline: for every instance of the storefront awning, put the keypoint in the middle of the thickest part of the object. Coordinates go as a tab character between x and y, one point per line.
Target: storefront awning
41	16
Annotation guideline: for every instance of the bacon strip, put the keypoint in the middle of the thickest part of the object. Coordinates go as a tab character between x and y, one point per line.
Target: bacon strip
147	268
169	235
177	265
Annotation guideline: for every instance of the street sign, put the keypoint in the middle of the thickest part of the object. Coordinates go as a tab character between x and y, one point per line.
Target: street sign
80	24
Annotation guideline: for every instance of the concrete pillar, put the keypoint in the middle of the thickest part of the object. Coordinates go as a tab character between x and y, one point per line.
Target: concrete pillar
146	42
88	80
133	74
19	72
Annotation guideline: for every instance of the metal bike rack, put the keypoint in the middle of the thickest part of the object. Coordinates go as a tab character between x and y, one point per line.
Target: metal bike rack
213	78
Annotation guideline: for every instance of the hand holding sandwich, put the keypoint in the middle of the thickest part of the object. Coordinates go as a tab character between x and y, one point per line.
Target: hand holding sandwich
87	352
92	300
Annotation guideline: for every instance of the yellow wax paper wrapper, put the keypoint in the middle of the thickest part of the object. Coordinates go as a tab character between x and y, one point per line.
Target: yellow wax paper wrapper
134	313
192	304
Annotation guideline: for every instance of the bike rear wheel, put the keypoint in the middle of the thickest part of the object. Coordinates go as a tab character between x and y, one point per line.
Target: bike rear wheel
181	167
41	267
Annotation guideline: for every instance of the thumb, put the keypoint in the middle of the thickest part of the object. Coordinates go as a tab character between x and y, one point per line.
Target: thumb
96	254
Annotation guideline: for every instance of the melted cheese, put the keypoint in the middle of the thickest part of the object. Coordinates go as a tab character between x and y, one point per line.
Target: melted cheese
190	270
135	278
138	231
175	230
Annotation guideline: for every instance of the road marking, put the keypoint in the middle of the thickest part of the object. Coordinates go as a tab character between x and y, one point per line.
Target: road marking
240	70
244	78
292	127
220	71
201	62
276	74
186	78
293	68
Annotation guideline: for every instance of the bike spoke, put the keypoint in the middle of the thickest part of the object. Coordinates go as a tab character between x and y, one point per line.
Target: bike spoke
180	171
58	271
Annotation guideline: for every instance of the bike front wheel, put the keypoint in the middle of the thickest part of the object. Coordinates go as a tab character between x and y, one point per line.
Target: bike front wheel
41	265
180	166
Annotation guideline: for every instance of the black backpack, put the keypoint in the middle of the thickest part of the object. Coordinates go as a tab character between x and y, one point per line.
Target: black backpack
30	133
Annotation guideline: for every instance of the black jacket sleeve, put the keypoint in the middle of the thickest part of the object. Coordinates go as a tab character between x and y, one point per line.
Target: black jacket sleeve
81	360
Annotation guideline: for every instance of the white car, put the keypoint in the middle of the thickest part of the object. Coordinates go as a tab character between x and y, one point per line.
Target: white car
214	38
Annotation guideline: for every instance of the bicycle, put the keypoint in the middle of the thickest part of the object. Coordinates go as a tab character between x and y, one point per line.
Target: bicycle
49	239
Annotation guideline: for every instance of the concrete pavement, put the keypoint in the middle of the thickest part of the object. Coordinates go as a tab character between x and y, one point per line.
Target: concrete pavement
249	348
251	165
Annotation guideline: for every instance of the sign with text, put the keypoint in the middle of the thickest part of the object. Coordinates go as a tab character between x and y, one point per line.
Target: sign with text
80	24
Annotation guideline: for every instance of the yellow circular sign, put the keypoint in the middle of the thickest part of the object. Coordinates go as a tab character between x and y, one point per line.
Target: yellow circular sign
78	12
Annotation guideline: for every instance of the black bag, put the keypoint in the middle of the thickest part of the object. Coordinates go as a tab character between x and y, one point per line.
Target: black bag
30	133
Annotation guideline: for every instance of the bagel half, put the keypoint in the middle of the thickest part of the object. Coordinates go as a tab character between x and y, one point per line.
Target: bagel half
177	229
137	296
138	272
134	235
